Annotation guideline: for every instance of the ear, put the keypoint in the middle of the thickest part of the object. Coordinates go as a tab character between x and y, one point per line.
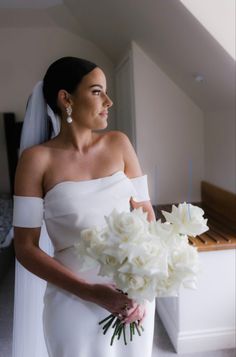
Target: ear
64	99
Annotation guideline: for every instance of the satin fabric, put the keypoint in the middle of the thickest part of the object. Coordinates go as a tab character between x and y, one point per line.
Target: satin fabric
70	324
67	208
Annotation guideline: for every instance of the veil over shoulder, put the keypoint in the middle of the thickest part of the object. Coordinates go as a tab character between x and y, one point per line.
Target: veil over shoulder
28	339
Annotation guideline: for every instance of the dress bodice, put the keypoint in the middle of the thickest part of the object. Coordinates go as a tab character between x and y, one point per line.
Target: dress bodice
71	206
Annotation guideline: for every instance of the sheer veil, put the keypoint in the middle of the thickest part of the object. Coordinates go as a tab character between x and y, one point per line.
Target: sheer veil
28	338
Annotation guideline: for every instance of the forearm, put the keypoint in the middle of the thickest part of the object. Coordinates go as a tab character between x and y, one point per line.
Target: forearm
147	207
41	264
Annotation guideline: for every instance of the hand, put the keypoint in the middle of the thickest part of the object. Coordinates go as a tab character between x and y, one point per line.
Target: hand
113	300
138	312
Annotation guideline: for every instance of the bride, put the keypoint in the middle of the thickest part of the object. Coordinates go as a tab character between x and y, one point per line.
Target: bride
63	185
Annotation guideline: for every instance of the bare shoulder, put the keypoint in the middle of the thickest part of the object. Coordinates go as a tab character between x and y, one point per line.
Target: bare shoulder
116	134
121	142
30	171
117	137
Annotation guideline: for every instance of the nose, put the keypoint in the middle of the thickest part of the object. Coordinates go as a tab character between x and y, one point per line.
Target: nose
108	101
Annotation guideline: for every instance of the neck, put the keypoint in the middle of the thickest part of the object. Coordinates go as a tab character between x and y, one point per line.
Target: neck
75	137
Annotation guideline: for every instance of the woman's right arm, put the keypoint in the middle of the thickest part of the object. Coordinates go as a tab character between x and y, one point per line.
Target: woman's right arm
28	183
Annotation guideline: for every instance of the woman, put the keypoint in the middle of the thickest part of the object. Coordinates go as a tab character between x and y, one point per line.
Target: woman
77	177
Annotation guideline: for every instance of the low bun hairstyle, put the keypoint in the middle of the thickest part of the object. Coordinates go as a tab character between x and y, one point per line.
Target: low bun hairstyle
65	73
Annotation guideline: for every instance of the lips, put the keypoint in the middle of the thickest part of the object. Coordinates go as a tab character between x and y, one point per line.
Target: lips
104	113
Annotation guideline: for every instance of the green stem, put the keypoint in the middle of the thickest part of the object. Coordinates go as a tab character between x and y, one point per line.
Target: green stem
106	327
133	328
135	324
115	332
131	331
107	318
119	332
109	322
116	322
120	327
124	335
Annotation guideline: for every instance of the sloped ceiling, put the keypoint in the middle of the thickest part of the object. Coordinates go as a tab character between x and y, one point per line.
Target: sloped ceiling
164	29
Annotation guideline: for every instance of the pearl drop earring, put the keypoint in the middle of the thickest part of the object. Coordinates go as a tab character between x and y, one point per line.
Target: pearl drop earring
69	112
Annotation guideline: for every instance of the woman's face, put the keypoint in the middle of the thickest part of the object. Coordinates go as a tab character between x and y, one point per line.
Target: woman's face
90	102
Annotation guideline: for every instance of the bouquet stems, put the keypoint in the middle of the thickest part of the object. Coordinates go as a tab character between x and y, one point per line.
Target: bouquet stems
120	328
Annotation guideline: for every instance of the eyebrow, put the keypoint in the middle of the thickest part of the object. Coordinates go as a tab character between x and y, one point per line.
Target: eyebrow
96	85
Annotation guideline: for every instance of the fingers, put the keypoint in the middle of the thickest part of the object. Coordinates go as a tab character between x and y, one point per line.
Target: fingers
140	322
126	309
119	304
125	304
144	314
122	307
137	314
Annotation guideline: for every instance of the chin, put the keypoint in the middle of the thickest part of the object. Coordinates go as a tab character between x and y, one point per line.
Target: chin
101	126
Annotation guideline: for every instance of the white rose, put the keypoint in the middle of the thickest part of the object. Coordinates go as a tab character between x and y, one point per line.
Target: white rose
166	234
127	225
133	282
139	288
93	242
85	262
187	219
184	266
169	286
146	258
185	259
159	229
90	236
108	265
128	250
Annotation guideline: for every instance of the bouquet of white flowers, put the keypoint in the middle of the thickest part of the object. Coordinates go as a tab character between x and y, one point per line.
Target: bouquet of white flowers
144	259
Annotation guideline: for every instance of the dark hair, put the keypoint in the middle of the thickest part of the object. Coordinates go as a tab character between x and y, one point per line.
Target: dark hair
65	73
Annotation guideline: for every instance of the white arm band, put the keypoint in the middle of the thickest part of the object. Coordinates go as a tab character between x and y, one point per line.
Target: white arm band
141	188
27	211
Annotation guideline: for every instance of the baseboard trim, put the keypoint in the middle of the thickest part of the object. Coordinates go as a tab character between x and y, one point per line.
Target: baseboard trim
206	340
198	340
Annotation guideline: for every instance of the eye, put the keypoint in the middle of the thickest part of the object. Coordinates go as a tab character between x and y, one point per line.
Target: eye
97	91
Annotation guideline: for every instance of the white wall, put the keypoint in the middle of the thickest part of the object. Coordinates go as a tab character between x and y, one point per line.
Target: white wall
220	149
125	108
195	320
170	133
24	57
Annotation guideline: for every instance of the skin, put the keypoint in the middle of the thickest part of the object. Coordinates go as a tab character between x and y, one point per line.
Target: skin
79	152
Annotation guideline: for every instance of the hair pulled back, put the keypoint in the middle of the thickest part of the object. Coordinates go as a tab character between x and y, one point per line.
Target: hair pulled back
65	73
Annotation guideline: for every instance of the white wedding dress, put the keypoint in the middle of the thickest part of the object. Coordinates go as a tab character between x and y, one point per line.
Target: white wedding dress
70	324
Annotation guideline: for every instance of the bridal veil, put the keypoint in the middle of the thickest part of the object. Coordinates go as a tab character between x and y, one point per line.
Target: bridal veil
28	338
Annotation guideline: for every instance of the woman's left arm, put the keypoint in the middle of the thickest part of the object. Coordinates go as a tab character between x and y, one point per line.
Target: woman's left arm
147	207
132	169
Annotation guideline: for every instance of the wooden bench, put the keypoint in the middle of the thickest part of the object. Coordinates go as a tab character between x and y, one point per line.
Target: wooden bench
219	206
204	319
